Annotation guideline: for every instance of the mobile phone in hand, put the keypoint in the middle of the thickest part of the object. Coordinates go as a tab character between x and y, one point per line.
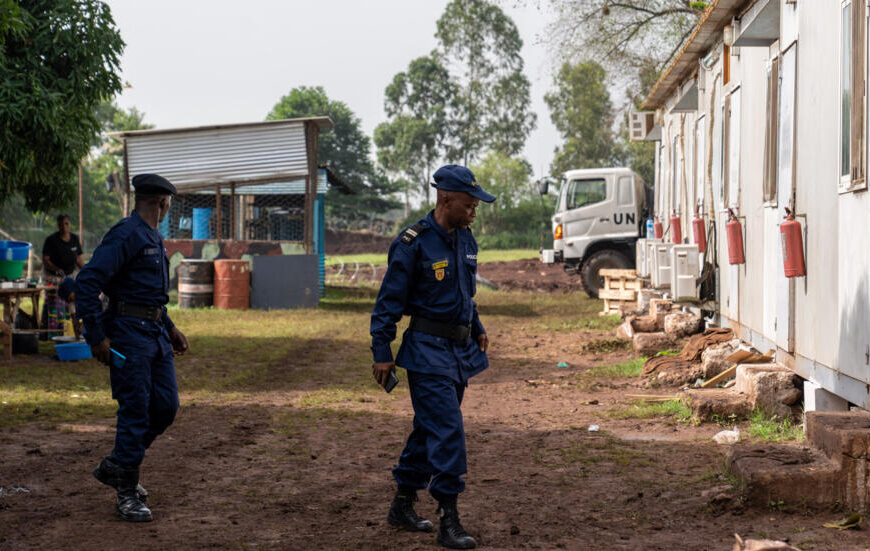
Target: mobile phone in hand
118	359
392	381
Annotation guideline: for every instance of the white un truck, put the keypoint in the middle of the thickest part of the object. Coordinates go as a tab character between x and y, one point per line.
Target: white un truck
599	216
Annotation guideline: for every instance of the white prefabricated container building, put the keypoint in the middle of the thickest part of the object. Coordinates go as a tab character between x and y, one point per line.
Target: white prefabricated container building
765	108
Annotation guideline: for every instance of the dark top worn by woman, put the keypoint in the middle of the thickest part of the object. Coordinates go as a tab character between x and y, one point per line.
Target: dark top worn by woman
62	254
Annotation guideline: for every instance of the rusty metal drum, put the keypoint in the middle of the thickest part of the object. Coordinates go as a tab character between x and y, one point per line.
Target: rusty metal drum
232	284
195	283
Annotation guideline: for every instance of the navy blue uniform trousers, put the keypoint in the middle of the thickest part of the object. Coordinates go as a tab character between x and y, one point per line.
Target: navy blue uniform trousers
434	455
146	391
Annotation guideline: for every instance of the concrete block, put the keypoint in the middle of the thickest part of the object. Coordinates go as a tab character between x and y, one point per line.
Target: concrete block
817	398
766	385
679	324
650	344
649	324
717	401
713	358
659	305
625	330
645	296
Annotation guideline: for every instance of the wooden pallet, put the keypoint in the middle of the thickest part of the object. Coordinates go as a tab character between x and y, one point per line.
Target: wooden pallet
620	287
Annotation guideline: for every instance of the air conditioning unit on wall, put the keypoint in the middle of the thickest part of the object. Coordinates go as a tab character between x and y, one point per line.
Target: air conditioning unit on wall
661	277
641	124
644	255
685	269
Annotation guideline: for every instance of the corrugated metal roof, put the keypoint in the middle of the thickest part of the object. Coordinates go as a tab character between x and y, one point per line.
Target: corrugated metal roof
707	33
193	158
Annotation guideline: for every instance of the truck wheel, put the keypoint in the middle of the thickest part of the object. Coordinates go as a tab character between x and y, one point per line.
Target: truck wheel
590	271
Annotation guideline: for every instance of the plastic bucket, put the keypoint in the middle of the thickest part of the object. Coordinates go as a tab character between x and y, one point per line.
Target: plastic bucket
14	250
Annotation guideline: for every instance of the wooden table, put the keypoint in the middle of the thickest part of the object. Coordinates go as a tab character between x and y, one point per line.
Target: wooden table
11	299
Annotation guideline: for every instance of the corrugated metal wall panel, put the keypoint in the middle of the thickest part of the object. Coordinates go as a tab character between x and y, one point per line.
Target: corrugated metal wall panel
197	157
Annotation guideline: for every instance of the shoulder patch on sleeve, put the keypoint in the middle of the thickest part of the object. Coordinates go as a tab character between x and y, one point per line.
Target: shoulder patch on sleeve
410	234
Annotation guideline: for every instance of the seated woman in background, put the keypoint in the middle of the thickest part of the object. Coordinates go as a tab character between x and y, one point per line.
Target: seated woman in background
61	256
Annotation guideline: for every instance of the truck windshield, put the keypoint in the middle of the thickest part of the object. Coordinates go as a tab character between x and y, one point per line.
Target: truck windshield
579	193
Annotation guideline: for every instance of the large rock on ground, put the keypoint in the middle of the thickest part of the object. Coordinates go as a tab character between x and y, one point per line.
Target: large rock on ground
766	386
713	358
650	344
715	401
625	330
659	305
679	375
649	324
680	324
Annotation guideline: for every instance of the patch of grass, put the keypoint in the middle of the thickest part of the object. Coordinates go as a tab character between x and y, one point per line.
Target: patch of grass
607	344
25	406
649	410
668	353
771	428
631	368
483	256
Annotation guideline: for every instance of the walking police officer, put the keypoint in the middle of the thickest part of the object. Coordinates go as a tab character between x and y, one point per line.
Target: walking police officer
431	277
134	336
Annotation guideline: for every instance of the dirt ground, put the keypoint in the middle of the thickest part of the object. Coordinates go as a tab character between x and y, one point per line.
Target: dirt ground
272	468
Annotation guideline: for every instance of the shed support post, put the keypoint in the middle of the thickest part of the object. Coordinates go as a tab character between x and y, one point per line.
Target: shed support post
311	134
217	200
232	235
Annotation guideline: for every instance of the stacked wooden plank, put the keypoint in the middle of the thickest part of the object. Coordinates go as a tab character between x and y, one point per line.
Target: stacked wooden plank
620	287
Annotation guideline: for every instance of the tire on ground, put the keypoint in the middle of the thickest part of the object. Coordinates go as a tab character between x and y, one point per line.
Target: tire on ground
589	272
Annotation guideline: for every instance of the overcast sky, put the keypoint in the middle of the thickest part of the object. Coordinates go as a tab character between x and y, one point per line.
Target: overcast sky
202	62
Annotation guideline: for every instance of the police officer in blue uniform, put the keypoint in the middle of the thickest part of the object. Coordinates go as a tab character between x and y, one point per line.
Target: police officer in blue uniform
431	277
134	337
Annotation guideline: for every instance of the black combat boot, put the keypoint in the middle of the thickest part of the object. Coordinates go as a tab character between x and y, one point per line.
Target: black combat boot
109	473
128	506
402	512
451	534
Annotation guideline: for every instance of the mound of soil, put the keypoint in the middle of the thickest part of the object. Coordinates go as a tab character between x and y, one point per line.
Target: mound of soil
530	274
356	242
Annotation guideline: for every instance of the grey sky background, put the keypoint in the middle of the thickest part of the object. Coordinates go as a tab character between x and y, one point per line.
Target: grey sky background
201	62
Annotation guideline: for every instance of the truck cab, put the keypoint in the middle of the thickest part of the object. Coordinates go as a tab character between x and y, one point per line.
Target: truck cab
598	218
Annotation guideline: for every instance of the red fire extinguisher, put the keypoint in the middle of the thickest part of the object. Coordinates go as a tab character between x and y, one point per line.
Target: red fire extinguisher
792	246
735	239
700	232
657	227
676	230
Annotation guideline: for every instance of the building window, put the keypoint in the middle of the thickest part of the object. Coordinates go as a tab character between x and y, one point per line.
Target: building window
852	95
771	131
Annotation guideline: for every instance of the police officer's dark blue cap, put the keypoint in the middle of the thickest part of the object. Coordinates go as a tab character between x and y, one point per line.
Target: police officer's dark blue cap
459	178
152	184
66	288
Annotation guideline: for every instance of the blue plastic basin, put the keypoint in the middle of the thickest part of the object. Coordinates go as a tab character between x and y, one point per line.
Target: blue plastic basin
72	351
14	250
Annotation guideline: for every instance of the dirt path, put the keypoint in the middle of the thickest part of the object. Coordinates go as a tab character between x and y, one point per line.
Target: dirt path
285	468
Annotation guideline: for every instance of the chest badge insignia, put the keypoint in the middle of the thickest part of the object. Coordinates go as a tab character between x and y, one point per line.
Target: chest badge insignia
439	268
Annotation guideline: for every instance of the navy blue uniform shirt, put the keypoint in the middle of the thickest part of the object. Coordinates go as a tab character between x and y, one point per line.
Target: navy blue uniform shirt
432	277
130	265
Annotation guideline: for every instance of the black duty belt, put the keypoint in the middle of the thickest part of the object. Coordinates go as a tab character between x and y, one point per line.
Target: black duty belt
440	329
127	309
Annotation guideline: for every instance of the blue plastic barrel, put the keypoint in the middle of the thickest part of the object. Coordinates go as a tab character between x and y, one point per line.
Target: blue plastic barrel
163	227
201	218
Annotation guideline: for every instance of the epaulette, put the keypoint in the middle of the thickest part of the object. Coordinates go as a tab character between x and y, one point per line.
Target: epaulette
411	233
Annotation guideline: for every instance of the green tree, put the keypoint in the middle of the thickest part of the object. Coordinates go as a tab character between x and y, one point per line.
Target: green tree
581	110
345	149
623	35
411	142
58	61
481	47
100	208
